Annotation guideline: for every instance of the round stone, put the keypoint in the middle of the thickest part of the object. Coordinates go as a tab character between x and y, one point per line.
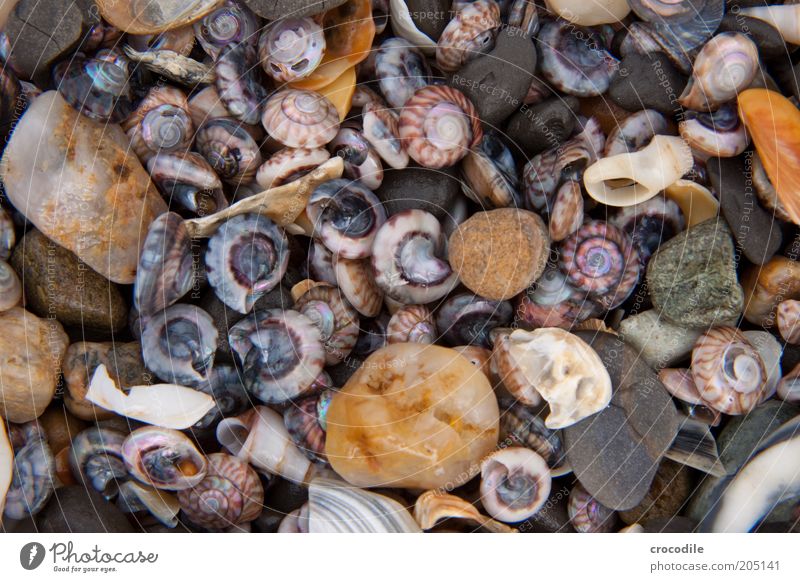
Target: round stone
498	253
414	415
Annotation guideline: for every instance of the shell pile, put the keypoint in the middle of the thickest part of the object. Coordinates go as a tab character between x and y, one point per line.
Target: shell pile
274	216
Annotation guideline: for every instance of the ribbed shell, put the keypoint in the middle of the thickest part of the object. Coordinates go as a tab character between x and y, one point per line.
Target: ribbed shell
412	323
300	119
357	282
506	369
468	34
289	164
566	216
335	318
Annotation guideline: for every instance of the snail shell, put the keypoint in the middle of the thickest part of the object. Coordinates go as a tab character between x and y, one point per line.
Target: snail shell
304	423
515	484
291	48
98	88
788	316
728	371
163	458
587	515
95	459
649	224
520	426
490	174
229	149
634	132
467	319
34	472
237	82
188	179
401	70
357	282
719	134
335	319
361	162
161	122
439	125
469	34
504	367
566	216
231	23
382	132
411	323
300	119
554	302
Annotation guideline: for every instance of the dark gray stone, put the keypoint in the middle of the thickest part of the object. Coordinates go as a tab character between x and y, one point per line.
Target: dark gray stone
648	81
767	38
284	496
553	517
757	234
692	277
430	16
74	509
434	191
615	453
677	524
498	81
274	9
543	126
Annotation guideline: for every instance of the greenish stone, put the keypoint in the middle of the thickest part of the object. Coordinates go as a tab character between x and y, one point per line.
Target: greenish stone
692	278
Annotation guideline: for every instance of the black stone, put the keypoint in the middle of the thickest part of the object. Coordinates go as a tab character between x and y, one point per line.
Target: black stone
758	236
75	509
544	126
498	81
275	9
676	524
648	81
767	38
430	16
615	453
284	496
434	191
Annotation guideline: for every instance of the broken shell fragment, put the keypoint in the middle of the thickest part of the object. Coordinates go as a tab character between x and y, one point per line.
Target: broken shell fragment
696	202
515	484
434	506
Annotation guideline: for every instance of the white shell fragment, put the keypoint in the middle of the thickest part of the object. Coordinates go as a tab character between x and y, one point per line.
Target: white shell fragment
165	405
404	27
6	466
434	506
161	504
336	507
770	350
565	370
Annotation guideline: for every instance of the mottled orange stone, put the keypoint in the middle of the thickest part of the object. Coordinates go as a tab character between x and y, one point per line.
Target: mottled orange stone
414	415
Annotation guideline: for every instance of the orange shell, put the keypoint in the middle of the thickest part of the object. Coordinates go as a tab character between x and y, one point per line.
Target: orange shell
774	124
341	91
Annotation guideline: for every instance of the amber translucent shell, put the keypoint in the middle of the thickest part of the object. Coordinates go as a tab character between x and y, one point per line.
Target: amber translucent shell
349	31
154	16
774	124
341	91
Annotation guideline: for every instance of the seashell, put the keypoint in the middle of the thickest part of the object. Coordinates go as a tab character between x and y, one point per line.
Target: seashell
470	33
205	105
564	370
788	317
768	478
553	302
766	286
291	48
600	260
179	40
718	134
406	258
506	369
231	23
523	14
435	506
632	178
320	263
728	371
281	353
574	64
335	319
590	13
163	458
634	132
519	426
164	405
356	280
153	16
340	92
296	521
380	129
337	507
515	484
404	27
685	28
680	384
346	217
95	458
726	65
411	323
785	18
439	125
97	88
772	122
298	118
696	202
229	149
587	515
649	224
8	235
788	388
6	467
259	438
401	70
161	122
361	162
468	319
230	494
10	287
771	352
188	179
34	472
289	164
490	174
303	423
228	392
173	66
238	82
765	191
135	497
178	344
566	215
695	446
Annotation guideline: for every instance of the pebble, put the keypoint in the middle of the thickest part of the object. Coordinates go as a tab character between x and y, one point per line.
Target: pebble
430	16
59	284
647	82
767	38
77	509
31	351
498	81
123	361
77	182
60	426
692	277
659	342
616	452
275	9
434	191
543	126
756	232
670	489
498	253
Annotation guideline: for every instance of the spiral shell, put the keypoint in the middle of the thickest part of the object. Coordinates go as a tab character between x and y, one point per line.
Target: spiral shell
188	179
566	215
229	149
33	482
304	425
520	426
587	515
634	132
515	484
291	48
95	459
490	173
229	24
411	323
288	165
361	162
728	370
439	125
469	34
98	88
468	319
401	70
300	119
381	131
649	224
10	287
505	368
230	494
163	458
335	319
237	82
357	282
161	122
554	302
230	397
